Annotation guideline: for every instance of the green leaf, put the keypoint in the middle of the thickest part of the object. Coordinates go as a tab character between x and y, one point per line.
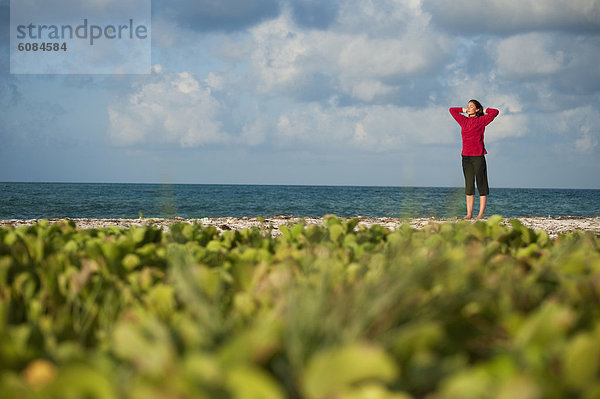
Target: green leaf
161	299
331	220
286	233
143	341
335	231
215	246
468	384
333	370
247	382
494	220
373	391
131	261
521	387
582	361
545	326
351	224
81	381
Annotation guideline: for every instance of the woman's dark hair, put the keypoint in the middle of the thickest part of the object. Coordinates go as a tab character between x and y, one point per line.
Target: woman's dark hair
479	107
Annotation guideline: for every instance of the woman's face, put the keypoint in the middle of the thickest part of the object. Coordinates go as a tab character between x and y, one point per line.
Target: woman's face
472	109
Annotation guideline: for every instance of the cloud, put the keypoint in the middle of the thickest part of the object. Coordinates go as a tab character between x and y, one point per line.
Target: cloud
314	13
5	17
527	55
10	95
168	109
580	124
255	133
74	11
512	16
223	15
97	37
288	59
373	128
375	57
587	142
567	63
505	126
26	120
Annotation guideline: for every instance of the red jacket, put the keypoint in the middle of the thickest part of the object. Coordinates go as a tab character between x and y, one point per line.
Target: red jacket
472	130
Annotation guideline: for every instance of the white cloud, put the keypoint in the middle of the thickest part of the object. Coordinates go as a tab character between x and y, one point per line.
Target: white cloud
169	108
370	58
362	61
367	128
580	124
276	53
404	127
383	18
586	143
377	128
166	33
255	133
365	90
380	57
526	55
215	81
505	101
486	88
543	71
504	126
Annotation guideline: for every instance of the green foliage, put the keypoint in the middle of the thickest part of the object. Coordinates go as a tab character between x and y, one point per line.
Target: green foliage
455	310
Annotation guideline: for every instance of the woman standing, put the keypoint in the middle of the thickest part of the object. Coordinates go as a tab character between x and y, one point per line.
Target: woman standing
473	151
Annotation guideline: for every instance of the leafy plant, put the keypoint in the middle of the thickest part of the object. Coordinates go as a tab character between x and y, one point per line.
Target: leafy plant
455	310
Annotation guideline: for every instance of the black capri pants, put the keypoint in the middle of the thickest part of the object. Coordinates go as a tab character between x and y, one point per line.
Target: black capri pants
475	168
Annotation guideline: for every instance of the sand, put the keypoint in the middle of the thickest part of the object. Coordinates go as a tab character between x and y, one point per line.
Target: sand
554	226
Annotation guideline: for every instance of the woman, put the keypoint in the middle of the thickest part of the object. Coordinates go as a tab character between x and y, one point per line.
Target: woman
473	150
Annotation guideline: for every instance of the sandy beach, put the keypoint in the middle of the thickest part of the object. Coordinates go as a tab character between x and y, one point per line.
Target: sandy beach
552	225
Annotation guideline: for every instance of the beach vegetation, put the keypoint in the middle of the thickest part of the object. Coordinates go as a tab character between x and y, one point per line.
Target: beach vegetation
453	310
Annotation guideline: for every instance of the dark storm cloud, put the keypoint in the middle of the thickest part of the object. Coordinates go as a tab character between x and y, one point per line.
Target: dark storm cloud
217	15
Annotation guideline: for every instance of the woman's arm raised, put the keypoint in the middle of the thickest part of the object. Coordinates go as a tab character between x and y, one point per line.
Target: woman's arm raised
456	114
490	114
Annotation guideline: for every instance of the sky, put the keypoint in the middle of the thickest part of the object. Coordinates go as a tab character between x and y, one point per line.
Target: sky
337	92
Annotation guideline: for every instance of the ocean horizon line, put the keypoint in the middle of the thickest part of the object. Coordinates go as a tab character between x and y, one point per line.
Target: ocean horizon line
292	185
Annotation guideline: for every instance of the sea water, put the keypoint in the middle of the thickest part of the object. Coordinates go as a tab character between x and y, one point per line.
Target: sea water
116	200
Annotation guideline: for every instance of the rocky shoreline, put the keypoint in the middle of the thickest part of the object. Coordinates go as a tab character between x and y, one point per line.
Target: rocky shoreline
552	225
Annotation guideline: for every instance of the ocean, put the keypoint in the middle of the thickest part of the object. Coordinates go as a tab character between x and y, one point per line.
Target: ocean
116	200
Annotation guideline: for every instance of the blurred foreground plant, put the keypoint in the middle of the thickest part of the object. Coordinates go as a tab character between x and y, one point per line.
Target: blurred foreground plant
455	310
